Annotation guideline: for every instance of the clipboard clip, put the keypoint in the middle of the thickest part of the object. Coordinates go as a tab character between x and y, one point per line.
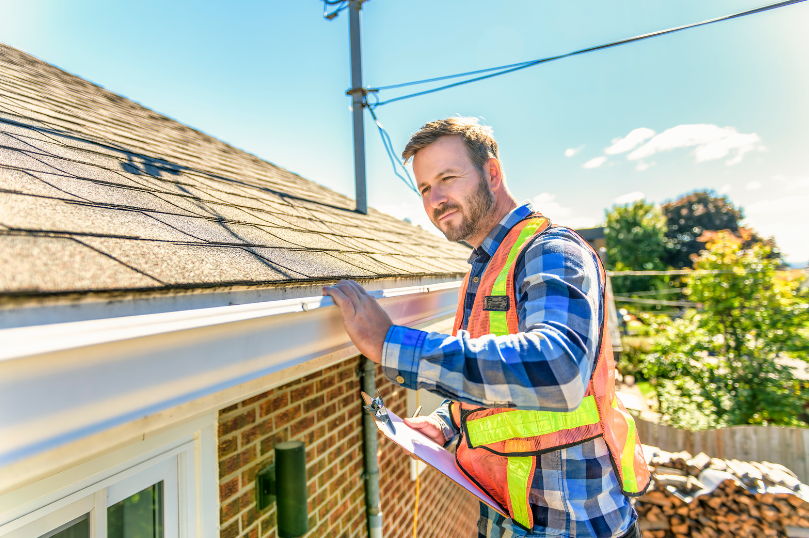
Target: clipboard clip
377	408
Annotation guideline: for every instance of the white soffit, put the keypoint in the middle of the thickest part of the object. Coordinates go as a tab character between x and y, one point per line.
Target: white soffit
64	382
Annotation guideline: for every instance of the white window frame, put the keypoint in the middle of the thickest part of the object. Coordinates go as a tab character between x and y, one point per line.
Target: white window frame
183	464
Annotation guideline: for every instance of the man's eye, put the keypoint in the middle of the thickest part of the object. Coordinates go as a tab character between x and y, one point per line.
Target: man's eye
424	191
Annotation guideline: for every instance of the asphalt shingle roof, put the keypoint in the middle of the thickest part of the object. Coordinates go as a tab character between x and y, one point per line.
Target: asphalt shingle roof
99	193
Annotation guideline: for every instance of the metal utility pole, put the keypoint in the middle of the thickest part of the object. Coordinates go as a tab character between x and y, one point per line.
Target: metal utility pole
358	96
357	93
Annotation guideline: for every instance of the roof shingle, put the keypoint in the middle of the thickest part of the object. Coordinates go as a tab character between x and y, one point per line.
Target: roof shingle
100	193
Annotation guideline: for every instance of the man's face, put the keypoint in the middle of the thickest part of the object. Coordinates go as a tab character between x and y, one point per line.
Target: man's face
455	197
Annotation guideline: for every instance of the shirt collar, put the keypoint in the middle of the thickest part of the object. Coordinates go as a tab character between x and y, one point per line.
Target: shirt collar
500	231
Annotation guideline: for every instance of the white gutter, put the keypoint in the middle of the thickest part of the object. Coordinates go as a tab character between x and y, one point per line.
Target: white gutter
64	382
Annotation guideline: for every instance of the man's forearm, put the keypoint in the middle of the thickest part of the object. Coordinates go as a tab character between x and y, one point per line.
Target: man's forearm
542	369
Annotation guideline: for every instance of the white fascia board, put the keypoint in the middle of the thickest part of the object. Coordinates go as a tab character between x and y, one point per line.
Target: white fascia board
64	382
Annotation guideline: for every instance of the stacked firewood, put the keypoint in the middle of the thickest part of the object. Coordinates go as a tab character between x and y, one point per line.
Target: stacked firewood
704	497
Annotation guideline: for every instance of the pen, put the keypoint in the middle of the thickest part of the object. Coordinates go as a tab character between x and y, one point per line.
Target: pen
417	412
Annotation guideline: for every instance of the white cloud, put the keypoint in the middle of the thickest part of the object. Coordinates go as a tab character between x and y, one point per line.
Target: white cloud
782	216
725	188
595	163
577	223
629	197
546	204
712	143
777	206
793	184
642	165
570	152
754	185
630	141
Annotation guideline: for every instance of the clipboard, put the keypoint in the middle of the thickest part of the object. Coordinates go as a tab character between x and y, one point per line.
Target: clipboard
421	446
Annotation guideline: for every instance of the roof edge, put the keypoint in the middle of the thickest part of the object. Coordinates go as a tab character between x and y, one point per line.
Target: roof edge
106	373
26	310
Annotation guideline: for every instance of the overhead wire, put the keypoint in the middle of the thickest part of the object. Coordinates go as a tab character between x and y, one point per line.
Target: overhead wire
394	159
682	272
341	5
651	292
656	301
510	68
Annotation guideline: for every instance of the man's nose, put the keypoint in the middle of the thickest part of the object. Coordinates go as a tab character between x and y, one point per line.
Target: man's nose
437	197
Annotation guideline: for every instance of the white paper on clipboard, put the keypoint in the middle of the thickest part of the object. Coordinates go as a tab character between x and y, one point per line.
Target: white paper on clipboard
433	455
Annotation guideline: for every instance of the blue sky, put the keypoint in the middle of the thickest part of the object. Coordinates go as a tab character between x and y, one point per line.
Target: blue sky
722	107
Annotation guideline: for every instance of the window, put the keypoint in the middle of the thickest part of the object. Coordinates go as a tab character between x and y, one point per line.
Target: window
154	494
142	502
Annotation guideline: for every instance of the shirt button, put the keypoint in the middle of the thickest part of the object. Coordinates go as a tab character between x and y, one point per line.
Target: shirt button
399	379
475	280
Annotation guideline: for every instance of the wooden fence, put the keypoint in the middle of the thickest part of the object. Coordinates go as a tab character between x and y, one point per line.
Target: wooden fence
787	446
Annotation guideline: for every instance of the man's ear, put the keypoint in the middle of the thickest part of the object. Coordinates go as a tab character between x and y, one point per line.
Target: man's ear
495	173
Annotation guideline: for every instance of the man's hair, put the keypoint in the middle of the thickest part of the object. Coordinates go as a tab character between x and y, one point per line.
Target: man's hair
479	140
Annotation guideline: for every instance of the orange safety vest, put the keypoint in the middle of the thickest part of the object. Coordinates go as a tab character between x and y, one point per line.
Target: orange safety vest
497	449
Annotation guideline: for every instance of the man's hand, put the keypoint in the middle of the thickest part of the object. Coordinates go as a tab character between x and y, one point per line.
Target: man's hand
426	426
365	321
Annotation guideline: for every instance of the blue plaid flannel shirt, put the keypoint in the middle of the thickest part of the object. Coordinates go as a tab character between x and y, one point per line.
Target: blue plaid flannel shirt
546	366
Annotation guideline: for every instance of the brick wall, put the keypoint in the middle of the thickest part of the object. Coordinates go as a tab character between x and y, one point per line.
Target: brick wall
322	410
446	510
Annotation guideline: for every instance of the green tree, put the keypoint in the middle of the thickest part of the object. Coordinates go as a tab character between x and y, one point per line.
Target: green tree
635	242
724	365
688	217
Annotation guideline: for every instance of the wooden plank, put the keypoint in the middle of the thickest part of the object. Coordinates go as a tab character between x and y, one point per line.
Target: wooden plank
798	454
764	442
709	442
720	443
743	439
689	441
787	446
805	435
698	441
645	431
752	441
732	448
661	434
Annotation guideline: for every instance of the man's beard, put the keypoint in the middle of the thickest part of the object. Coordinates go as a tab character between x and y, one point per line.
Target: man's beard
478	205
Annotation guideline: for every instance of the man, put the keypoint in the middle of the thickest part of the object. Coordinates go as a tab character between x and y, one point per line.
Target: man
540	427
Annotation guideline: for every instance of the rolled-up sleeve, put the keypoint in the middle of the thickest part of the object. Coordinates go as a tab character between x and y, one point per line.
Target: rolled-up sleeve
546	366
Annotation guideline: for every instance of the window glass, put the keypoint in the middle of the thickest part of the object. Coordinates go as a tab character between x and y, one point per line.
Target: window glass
138	516
78	528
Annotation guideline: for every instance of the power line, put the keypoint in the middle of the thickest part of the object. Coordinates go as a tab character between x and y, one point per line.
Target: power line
402	85
655	301
394	159
510	68
341	5
651	292
672	272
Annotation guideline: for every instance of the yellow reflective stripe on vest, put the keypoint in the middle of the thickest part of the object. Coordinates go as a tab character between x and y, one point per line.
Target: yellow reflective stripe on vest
630	484
498	325
516	424
519	470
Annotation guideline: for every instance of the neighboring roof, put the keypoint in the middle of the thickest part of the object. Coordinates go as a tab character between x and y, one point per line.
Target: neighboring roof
98	193
591	234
